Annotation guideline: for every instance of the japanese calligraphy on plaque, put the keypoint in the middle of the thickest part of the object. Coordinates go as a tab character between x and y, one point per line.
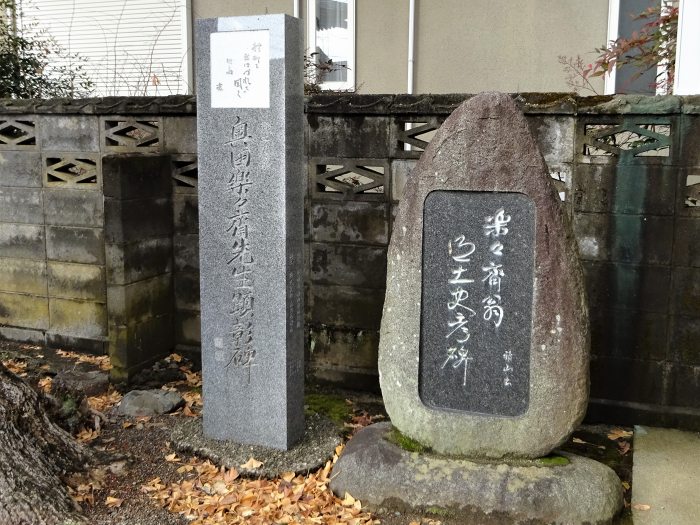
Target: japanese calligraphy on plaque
476	309
240	69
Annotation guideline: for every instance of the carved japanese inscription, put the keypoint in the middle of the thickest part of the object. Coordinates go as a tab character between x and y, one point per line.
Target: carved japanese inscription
235	349
476	318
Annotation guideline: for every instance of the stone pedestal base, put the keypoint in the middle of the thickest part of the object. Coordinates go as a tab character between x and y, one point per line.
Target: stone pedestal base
317	446
380	473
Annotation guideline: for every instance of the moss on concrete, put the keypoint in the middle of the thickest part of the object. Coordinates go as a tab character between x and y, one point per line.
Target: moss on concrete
332	406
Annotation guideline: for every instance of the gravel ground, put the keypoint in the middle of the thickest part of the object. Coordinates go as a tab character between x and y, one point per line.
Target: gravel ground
138	449
145	446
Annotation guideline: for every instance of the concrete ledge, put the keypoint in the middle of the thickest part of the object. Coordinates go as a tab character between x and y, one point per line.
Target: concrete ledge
136	345
136	220
136	176
380	473
140	301
188	328
96	346
22	335
345	306
666	466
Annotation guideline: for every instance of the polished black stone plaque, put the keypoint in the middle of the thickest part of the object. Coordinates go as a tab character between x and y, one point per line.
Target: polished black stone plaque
476	308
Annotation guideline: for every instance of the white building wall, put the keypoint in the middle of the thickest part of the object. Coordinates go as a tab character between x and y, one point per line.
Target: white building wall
132	47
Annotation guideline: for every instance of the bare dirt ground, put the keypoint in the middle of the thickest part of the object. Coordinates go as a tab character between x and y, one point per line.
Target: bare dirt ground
143	481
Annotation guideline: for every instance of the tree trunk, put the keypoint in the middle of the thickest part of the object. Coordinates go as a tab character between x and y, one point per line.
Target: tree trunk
34	455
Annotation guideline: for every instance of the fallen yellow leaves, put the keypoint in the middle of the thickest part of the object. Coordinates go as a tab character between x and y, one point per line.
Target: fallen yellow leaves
17	367
83	485
619	433
87	434
101	361
212	495
105	401
45	384
360	421
349	501
193	382
193	379
192	398
113	502
252	464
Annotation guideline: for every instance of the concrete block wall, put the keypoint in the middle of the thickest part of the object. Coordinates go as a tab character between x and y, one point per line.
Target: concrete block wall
628	171
637	219
181	145
139	256
84	266
51	236
360	152
86	223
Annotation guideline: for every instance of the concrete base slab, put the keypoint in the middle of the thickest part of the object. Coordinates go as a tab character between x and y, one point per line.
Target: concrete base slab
666	477
381	474
321	437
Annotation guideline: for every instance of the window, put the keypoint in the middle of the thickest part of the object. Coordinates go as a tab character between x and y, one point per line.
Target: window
331	26
623	22
130	47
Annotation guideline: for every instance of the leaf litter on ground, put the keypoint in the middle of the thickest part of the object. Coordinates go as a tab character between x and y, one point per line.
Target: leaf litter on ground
16	366
205	493
101	361
208	494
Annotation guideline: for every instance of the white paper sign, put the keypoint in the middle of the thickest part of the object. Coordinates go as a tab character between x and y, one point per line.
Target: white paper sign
240	69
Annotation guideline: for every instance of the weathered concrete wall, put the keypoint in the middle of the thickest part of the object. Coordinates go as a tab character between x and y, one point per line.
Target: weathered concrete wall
86	223
51	236
628	170
636	218
139	257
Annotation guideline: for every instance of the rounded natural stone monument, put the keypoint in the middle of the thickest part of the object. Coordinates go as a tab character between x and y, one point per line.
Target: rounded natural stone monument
484	344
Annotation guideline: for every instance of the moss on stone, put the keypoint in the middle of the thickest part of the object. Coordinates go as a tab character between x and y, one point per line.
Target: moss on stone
439	511
333	406
403	441
553	460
